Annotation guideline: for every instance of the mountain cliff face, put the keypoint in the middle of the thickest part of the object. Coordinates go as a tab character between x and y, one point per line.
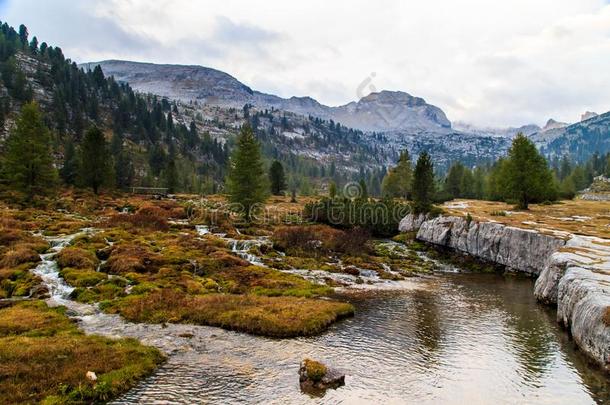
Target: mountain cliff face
383	111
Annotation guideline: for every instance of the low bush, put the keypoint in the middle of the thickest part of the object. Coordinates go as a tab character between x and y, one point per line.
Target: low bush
19	255
314	240
147	217
379	218
76	258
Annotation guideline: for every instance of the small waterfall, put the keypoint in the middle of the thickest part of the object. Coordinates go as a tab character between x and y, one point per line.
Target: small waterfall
48	271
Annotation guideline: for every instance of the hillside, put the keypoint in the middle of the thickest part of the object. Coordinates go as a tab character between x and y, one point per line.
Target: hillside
579	141
383	111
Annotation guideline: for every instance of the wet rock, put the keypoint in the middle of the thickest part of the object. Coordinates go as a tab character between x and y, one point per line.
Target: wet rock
104	254
573	274
576	280
315	378
40	292
518	249
412	222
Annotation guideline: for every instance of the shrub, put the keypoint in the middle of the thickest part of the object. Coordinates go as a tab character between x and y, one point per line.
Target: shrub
148	217
19	255
131	259
313	240
379	218
77	258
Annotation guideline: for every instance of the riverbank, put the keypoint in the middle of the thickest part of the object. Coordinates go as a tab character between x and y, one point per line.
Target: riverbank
114	259
45	358
573	270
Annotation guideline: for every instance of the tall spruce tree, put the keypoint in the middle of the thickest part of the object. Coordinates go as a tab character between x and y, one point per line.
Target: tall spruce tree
69	170
29	162
397	182
246	180
423	184
171	172
277	178
123	165
528	177
94	167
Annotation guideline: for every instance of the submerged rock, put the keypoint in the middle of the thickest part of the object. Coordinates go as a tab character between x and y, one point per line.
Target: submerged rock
315	378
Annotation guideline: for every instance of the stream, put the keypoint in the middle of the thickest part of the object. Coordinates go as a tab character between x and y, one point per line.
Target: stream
448	338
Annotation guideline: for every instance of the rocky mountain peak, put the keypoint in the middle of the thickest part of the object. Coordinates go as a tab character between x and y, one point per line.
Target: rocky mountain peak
552	124
587	115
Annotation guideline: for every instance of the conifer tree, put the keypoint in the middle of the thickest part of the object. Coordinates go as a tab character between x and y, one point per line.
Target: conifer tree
69	171
528	177
246	180
171	173
123	165
94	167
423	184
277	178
364	194
29	162
397	182
332	189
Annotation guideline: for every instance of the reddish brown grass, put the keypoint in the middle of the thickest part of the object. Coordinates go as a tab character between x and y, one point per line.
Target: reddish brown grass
268	316
76	258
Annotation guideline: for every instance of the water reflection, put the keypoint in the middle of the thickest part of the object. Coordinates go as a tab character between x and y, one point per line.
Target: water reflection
453	339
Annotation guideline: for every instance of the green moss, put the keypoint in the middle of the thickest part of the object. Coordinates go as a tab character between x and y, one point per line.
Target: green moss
268	316
82	277
315	370
45	358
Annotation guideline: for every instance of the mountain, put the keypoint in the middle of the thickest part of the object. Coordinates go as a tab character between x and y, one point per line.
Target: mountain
509	132
588	114
579	140
383	111
552	124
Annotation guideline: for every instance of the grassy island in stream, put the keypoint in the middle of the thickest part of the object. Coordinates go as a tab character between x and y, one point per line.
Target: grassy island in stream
45	358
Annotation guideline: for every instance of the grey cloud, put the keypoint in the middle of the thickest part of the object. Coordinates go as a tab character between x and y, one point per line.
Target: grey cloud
230	32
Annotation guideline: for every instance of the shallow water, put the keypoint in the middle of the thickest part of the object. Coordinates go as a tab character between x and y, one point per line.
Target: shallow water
452	338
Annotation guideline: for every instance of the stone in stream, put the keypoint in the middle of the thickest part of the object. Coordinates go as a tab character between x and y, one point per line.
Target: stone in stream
315	378
40	291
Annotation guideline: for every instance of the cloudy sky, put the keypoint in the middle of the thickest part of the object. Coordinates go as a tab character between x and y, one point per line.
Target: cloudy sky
490	63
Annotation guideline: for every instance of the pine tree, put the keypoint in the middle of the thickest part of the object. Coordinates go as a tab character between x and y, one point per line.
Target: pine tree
171	173
332	189
69	171
423	184
397	182
246	181
94	167
123	165
364	194
453	181
528	177
277	178
29	163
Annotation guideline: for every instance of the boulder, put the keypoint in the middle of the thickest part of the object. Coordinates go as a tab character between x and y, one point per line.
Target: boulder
40	292
315	378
